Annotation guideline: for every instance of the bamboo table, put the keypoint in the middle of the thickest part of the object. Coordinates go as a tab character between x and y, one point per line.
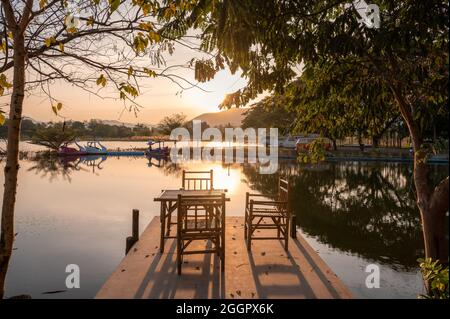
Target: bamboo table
168	199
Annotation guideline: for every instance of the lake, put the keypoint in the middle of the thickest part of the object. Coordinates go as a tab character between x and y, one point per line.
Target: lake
79	212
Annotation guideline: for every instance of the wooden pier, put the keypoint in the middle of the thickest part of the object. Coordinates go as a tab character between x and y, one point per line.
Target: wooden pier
265	272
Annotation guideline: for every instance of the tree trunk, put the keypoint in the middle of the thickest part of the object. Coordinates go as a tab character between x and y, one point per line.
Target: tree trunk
333	140
438	207
375	141
12	159
432	205
360	142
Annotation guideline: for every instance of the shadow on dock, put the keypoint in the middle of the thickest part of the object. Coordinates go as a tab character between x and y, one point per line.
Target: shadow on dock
265	272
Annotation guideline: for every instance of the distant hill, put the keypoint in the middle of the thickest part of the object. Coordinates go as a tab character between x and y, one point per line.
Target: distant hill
234	116
106	122
115	123
32	120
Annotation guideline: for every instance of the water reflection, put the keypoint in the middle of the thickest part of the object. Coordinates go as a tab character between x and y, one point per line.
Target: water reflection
51	166
363	210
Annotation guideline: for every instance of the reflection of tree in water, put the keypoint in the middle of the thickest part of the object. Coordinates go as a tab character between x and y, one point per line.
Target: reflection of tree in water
363	208
50	166
166	165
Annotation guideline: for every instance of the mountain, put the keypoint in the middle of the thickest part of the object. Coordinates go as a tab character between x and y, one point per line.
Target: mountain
32	120
234	116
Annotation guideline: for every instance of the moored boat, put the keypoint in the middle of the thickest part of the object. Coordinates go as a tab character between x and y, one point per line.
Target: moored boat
66	150
93	148
160	151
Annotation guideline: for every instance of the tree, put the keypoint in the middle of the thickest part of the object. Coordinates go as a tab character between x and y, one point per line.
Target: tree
189	125
28	127
141	130
90	44
78	126
408	54
168	123
332	101
270	112
53	136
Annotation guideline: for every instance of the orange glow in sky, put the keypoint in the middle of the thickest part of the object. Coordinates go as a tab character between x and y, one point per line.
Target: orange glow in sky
158	97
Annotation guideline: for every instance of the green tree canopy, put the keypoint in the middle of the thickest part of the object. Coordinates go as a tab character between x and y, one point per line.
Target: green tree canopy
168	123
407	55
270	112
53	136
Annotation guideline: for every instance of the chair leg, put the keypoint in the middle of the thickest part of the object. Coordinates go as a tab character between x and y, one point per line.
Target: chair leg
222	257
249	234
169	221
163	221
245	224
278	220
179	266
286	234
222	263
218	246
179	254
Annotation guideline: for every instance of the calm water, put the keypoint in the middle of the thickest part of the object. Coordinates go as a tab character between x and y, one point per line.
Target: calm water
79	212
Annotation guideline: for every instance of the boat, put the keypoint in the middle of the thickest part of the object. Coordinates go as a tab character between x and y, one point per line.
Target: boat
304	142
160	151
92	148
66	150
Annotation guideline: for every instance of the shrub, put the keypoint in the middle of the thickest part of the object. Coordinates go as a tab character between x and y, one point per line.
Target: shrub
436	276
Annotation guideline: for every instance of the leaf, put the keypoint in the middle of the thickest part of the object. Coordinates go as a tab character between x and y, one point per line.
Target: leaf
130	71
10	35
42	3
2	119
4	83
147	26
101	80
59	106
128	88
152	35
140	42
114	4
90	21
72	30
150	73
146	9
49	41
55	110
61	46
3	46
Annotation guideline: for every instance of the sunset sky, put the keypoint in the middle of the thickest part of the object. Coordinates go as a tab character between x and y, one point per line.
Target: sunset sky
158	97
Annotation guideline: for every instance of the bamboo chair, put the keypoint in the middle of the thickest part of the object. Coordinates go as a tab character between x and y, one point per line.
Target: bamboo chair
275	213
192	180
200	218
197	180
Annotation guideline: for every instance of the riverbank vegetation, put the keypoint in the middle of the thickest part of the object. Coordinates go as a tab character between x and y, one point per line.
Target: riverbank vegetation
84	130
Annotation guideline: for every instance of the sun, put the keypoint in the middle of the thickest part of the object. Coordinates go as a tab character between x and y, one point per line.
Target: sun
226	178
214	91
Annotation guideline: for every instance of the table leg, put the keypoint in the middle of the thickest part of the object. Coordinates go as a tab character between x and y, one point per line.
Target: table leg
169	218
